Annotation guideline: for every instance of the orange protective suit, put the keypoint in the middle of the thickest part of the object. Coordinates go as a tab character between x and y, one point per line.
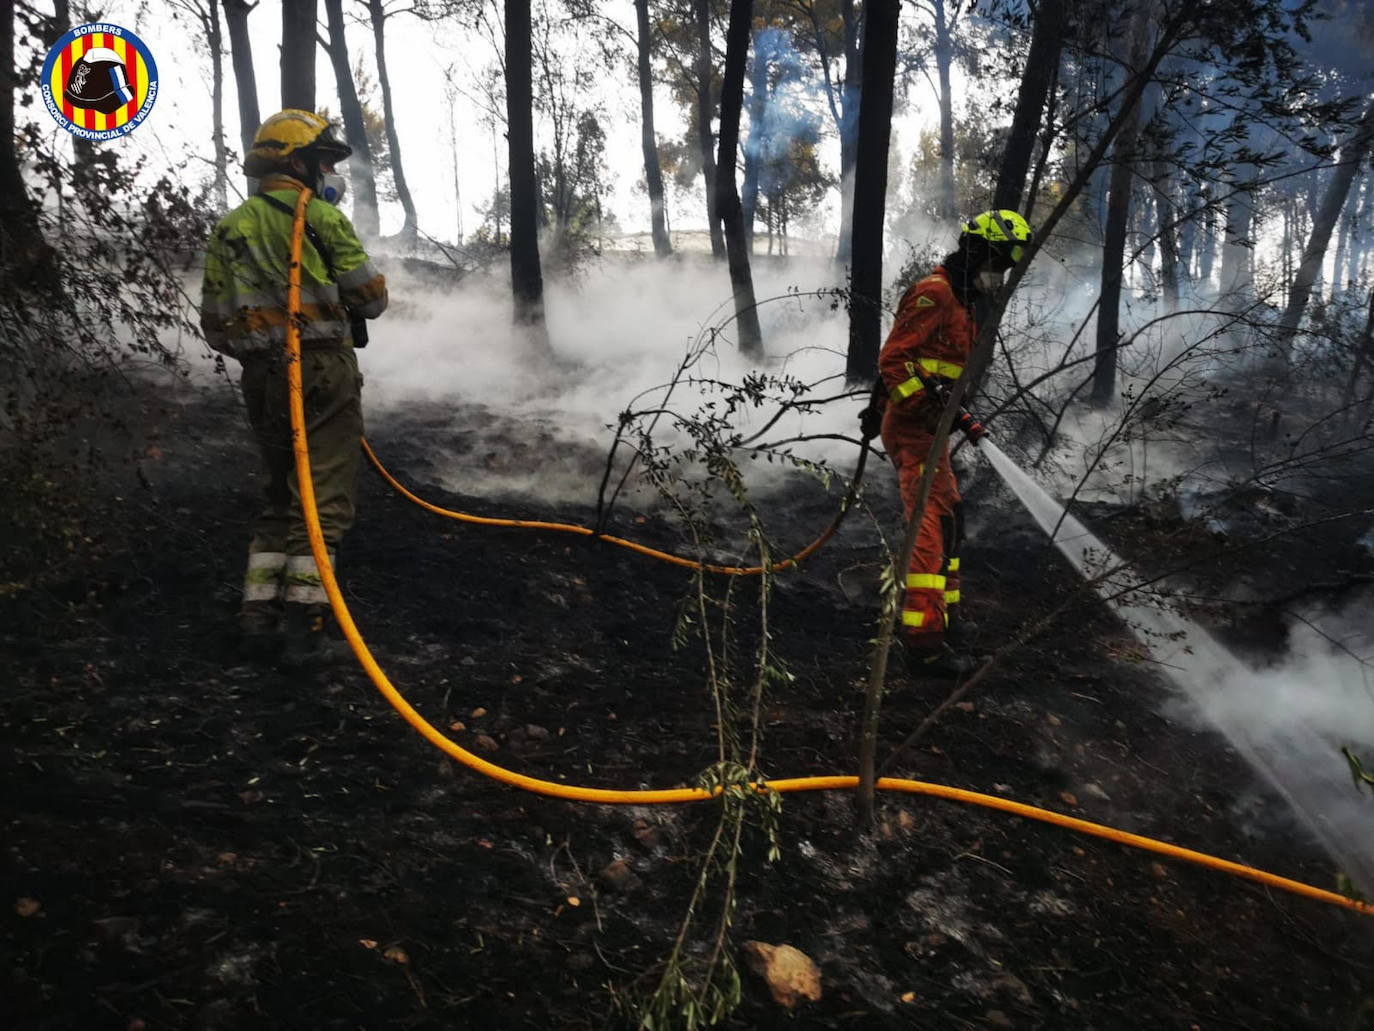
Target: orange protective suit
933	332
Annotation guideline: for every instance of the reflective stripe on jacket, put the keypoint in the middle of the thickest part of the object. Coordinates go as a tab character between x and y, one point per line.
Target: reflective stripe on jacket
933	332
243	293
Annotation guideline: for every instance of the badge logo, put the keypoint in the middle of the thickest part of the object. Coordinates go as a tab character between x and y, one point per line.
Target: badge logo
99	81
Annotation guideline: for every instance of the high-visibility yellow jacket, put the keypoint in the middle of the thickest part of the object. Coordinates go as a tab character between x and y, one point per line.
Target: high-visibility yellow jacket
243	294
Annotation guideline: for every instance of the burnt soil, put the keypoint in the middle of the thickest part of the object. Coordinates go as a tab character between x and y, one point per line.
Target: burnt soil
192	842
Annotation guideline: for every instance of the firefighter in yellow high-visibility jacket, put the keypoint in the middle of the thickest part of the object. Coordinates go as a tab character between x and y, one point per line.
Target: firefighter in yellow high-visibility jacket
243	315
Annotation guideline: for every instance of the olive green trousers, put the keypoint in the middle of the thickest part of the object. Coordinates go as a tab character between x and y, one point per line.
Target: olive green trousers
280	565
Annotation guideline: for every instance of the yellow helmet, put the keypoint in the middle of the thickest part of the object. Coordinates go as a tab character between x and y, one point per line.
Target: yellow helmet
1005	231
292	132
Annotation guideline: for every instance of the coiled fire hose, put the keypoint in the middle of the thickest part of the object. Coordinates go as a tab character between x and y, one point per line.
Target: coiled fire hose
670	795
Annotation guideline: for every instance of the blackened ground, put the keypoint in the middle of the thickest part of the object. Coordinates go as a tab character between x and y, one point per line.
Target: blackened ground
194	843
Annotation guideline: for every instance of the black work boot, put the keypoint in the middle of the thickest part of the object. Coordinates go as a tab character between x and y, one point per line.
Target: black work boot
260	626
307	646
961	633
939	661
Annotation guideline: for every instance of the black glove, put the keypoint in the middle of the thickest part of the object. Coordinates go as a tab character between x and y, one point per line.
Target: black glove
871	418
871	422
973	429
358	329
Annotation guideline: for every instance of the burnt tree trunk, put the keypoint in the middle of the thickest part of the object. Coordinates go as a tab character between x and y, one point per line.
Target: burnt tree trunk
25	256
245	79
378	13
1353	154
1042	64
298	54
879	60
361	173
727	201
653	174
758	98
527	278
1170	259
705	109
1359	230
18	222
849	130
1120	187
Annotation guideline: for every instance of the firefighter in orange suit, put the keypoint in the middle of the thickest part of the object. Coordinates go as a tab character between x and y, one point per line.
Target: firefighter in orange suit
927	347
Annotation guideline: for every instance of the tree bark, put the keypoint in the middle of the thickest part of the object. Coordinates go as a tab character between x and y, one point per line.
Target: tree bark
18	223
728	202
1042	63
245	79
946	204
705	109
879	61
527	278
25	256
1360	227
1353	154
1170	260
653	174
758	99
298	54
214	36
361	172
83	151
1120	188
849	130
378	13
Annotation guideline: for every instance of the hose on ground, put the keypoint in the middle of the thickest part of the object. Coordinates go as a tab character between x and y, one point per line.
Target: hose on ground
584	531
610	796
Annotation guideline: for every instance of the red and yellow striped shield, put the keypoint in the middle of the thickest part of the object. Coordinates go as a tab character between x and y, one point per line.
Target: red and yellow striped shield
99	81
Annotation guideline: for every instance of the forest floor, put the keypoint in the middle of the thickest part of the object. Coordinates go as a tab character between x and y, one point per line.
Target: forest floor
191	842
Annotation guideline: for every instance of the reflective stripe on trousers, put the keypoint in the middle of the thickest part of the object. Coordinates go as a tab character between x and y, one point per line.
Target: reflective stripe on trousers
304	585
263	579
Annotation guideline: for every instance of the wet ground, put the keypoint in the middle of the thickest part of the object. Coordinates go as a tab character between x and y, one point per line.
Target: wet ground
190	842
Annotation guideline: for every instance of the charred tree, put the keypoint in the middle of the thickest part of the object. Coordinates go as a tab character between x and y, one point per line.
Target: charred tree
1121	185
728	201
758	98
849	130
378	13
298	54
1042	64
1359	230
1353	153
527	278
21	240
705	111
245	79
653	174
361	172
1171	264
879	61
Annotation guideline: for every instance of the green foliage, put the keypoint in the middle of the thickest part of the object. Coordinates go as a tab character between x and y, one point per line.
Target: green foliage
694	464
92	268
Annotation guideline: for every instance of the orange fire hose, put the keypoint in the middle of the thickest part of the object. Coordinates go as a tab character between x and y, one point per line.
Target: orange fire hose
662	556
671	795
